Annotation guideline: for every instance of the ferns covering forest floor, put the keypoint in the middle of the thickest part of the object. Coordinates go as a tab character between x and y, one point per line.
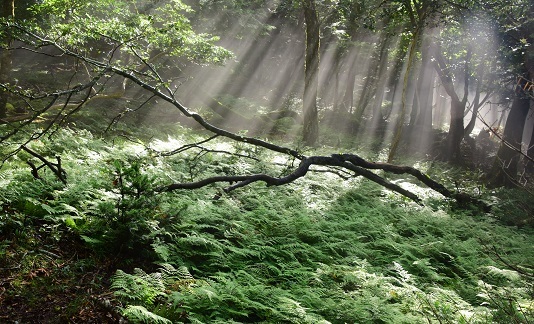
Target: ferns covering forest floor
107	245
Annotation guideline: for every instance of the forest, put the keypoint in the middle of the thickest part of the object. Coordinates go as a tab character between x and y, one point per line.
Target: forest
266	161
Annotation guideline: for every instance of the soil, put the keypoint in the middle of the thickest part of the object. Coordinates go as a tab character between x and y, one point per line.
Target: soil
59	283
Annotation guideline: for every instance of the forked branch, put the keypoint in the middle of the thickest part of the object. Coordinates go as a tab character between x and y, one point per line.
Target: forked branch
56	168
351	162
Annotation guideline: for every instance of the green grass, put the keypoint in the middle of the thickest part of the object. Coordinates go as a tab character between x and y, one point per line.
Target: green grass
317	250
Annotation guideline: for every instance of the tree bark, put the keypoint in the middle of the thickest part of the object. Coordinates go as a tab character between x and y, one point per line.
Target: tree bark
477	102
351	162
376	70
400	119
311	75
8	12
506	163
380	93
530	153
422	103
348	97
456	129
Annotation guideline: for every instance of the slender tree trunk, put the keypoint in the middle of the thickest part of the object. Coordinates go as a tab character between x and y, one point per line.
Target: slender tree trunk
336	105
336	84
422	103
311	74
426	111
395	76
380	88
400	121
456	129
529	64
378	122
417	94
475	105
374	72
506	163
8	12
530	152
348	97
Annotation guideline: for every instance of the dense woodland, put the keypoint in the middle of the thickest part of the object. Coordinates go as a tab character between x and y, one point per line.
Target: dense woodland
266	161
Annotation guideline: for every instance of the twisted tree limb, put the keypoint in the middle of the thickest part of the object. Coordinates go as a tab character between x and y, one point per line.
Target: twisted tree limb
351	162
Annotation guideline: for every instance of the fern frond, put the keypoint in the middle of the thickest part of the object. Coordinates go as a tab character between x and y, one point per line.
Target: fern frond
140	286
140	314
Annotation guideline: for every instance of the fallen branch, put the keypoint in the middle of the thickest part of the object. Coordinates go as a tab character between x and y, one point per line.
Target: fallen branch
522	270
347	161
56	168
461	198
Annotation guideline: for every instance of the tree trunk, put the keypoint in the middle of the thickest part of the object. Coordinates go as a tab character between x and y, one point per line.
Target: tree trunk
476	104
506	163
337	112
530	152
8	12
337	106
400	119
376	68
529	64
348	97
311	74
505	166
380	88
422	103
395	76
426	109
456	129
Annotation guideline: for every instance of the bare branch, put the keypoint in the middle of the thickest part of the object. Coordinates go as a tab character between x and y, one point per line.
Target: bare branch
347	161
54	167
299	172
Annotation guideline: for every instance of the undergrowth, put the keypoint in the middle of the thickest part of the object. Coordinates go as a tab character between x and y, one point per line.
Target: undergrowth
319	250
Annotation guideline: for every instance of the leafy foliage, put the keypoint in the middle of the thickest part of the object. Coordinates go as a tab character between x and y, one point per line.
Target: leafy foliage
139	25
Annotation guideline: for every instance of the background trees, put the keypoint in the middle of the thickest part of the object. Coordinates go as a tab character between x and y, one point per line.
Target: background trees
516	47
444	48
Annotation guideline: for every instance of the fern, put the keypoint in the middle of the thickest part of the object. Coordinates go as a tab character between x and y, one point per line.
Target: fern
139	287
139	314
310	252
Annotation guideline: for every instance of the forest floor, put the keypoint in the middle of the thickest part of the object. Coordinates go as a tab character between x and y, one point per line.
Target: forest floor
321	250
54	283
